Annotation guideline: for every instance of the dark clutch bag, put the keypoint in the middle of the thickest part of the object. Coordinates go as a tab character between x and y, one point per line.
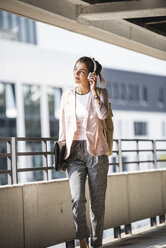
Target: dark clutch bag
59	152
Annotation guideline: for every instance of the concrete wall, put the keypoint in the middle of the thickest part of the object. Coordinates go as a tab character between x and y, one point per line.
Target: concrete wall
40	215
11	217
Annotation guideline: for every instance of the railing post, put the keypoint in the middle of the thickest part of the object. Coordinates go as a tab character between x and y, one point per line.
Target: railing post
137	147
153	221
128	229
45	159
9	163
14	161
117	232
120	155
162	219
154	154
70	244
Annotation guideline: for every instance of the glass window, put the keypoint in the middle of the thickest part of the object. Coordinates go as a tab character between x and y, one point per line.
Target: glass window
32	110
54	128
131	90
140	128
24	27
34	40
54	100
116	91
2	98
163	128
32	95
123	92
32	100
7	100
144	94
50	92
27	33
14	23
11	111
124	166
11	127
1	19
32	127
114	168
19	27
161	95
5	20
8	111
57	102
108	85
9	20
136	93
2	127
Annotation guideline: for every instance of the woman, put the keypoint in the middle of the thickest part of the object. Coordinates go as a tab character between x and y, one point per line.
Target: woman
82	111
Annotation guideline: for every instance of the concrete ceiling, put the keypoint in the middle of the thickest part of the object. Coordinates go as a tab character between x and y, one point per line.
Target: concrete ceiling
138	25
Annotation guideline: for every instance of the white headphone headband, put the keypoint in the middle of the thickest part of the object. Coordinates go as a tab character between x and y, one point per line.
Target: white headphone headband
94	65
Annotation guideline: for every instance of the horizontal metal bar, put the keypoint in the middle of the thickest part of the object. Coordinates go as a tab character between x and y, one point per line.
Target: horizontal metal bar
113	164
140	150
142	161
161	160
135	162
52	153
5	171
7	155
136	139
5	139
35	139
54	139
115	151
34	153
160	150
35	169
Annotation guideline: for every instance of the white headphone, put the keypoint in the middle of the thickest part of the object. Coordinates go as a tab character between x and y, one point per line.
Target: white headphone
94	68
94	65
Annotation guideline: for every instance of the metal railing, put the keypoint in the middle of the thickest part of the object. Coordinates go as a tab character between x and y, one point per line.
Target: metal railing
153	150
12	154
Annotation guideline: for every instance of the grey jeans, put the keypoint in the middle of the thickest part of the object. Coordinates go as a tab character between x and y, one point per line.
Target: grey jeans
80	165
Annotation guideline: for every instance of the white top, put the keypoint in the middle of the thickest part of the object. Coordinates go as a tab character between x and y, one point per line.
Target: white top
81	109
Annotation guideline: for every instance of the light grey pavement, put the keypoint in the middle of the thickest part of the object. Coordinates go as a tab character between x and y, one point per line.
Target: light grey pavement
152	238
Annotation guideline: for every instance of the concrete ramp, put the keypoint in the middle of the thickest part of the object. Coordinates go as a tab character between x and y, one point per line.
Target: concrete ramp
153	238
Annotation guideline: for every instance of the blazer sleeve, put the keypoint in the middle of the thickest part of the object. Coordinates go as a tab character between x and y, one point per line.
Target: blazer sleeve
102	106
62	129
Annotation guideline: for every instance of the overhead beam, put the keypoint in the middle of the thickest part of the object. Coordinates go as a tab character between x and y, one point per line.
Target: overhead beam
112	33
132	32
123	10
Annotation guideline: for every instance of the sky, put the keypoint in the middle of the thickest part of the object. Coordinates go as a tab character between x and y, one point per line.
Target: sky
54	38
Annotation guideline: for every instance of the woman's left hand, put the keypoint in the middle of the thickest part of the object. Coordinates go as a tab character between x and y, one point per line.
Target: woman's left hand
93	82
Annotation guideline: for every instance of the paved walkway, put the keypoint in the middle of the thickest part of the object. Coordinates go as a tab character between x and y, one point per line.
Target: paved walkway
152	238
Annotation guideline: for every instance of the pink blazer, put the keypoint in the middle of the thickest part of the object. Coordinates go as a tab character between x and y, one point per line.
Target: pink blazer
96	142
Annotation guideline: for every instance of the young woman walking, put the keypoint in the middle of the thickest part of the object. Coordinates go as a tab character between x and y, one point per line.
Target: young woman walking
82	112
